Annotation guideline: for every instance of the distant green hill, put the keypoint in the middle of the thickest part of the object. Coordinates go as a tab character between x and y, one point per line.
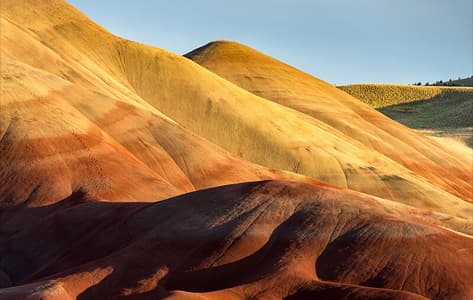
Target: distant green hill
445	111
468	81
382	95
464	82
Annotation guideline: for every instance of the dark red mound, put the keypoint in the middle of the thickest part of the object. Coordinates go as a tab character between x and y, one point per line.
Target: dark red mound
266	239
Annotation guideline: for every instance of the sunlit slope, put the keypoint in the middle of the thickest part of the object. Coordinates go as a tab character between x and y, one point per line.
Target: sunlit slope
274	80
88	117
49	149
261	131
112	69
68	126
269	240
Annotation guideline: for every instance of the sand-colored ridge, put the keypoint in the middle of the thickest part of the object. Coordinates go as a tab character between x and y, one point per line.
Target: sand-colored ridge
64	118
326	145
266	77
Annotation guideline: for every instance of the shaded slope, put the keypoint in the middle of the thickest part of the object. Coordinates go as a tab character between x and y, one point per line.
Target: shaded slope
276	81
304	240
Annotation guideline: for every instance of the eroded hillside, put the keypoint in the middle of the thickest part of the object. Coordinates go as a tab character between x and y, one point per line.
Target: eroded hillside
105	141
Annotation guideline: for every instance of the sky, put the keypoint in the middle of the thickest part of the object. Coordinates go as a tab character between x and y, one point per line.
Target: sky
340	41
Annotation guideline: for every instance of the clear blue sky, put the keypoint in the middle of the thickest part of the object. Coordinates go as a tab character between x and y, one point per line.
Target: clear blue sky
340	41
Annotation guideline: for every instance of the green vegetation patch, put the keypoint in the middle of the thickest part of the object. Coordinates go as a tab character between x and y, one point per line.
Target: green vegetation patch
447	111
450	109
381	95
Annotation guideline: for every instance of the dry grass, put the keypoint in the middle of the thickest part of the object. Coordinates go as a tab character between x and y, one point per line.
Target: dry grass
437	111
382	95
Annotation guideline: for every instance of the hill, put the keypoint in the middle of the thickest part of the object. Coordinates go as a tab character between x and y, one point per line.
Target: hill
104	142
338	112
468	81
437	111
306	241
108	69
68	125
383	95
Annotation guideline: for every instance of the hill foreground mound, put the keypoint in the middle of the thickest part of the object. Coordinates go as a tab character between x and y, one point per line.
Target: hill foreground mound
268	239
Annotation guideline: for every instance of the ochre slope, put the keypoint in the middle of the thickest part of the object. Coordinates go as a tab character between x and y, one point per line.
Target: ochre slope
107	69
49	149
87	117
67	126
266	77
119	86
268	239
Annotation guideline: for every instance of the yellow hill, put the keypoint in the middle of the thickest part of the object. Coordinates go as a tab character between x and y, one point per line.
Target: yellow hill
120	85
67	126
359	124
88	120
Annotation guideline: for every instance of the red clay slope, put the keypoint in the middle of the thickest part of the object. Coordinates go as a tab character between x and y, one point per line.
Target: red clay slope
268	240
